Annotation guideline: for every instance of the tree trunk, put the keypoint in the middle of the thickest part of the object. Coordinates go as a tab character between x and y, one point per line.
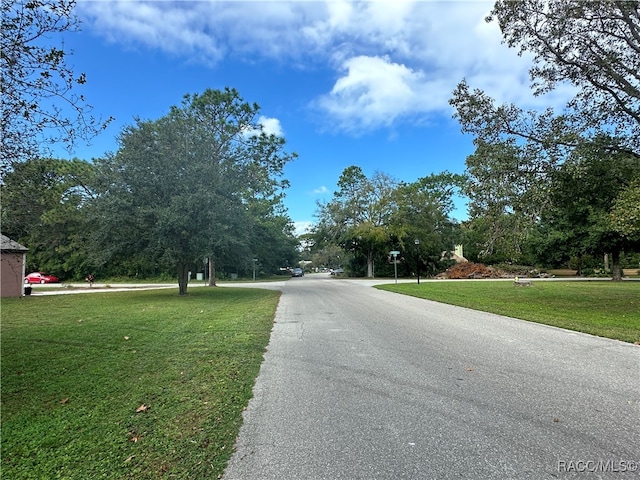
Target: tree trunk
183	277
579	266
212	272
370	264
615	260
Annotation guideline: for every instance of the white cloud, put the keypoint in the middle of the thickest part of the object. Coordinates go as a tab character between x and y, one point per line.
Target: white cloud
205	31
393	60
168	26
271	126
321	190
300	228
375	92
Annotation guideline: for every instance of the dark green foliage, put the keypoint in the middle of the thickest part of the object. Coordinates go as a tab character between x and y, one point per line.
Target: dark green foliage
43	207
198	183
582	194
369	217
203	182
548	185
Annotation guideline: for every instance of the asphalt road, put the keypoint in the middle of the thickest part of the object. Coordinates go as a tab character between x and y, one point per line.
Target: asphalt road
363	384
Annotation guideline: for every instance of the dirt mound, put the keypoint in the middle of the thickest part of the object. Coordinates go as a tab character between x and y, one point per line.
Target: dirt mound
472	270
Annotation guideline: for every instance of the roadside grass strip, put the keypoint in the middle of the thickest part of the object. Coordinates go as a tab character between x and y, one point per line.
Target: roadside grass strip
142	384
602	308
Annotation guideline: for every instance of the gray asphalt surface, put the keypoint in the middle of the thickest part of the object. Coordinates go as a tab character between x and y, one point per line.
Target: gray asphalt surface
363	384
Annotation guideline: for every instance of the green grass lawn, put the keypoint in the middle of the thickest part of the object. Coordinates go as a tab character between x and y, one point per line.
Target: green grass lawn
603	308
140	385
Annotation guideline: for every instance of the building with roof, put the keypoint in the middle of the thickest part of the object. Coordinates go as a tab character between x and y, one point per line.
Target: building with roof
12	267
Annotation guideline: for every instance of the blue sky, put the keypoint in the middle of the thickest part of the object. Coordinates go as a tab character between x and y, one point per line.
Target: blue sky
346	83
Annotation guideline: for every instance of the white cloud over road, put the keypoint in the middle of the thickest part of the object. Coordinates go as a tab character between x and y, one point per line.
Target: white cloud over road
391	61
374	92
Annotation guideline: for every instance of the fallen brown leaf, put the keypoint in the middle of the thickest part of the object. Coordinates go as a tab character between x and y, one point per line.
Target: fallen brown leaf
129	458
142	408
63	401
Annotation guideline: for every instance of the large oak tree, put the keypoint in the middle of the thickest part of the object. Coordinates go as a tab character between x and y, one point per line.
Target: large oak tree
182	188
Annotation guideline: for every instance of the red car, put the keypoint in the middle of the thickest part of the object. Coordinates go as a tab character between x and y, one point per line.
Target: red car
39	277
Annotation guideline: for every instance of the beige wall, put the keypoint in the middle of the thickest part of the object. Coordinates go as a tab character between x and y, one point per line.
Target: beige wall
11	274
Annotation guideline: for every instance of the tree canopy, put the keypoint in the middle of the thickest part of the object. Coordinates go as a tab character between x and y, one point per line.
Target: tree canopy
191	184
368	217
40	105
593	45
43	202
520	155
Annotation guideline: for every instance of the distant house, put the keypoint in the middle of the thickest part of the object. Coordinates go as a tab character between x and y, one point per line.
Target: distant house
12	267
456	255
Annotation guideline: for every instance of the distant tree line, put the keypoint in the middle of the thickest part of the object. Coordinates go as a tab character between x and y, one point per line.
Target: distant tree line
368	218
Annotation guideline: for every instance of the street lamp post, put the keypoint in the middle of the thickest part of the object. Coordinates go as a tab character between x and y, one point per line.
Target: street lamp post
254	269
417	243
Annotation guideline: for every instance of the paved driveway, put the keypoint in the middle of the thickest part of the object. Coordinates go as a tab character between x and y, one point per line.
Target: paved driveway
363	384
